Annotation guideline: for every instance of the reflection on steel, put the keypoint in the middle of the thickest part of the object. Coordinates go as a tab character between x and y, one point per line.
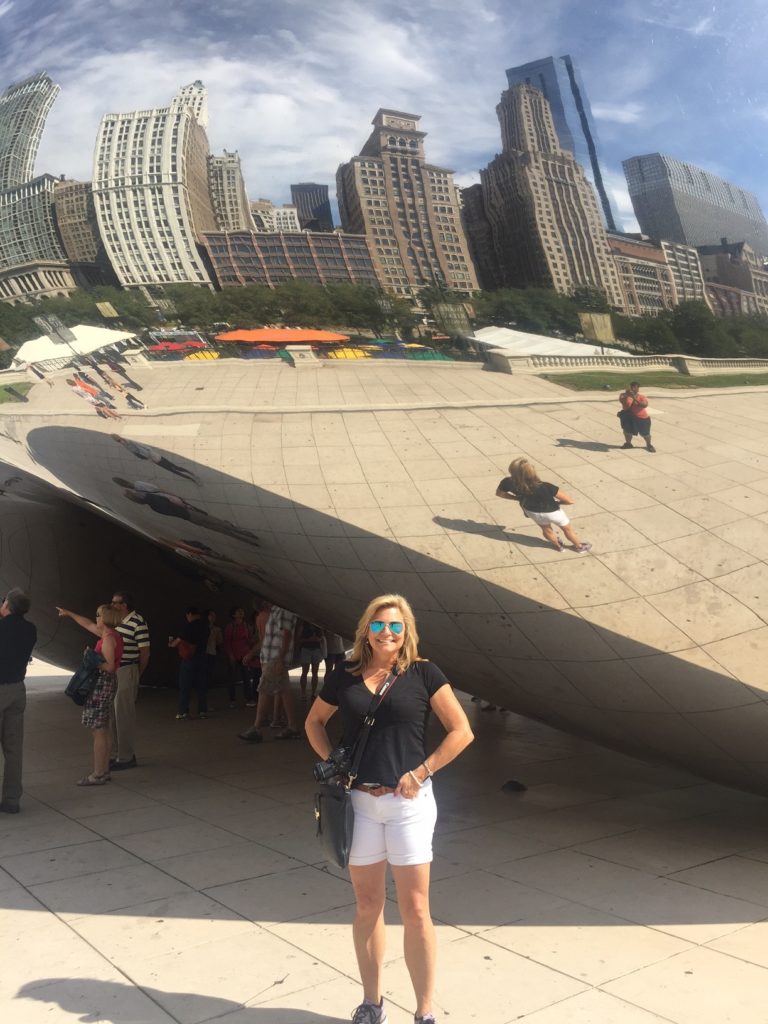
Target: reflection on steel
325	485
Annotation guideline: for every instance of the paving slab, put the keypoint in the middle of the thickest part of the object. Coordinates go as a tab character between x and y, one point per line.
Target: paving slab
192	889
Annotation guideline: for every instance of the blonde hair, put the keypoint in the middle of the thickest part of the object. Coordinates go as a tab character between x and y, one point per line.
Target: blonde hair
110	616
524	477
361	654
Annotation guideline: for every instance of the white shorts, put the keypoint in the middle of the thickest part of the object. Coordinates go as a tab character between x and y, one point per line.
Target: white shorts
556	518
392	828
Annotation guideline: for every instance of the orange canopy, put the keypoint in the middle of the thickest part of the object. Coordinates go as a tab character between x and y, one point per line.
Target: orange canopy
282	336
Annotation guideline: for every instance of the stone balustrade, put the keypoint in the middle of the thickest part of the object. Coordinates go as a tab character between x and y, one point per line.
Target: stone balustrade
502	361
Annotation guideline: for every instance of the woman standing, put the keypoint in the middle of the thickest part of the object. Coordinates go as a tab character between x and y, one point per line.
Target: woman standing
212	648
237	643
97	710
394	806
541	501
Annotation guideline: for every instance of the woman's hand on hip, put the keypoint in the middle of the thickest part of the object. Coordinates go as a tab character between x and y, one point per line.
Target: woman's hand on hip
407	787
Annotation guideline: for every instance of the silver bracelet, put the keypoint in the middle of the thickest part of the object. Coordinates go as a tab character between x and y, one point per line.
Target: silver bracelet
419	784
430	773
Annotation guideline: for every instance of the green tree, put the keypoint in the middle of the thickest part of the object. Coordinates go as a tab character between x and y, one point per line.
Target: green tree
699	332
647	333
589	299
750	334
303	304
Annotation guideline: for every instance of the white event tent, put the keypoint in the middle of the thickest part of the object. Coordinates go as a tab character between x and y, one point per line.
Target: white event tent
53	355
520	343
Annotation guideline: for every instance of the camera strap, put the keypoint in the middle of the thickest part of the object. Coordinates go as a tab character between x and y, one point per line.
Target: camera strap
368	723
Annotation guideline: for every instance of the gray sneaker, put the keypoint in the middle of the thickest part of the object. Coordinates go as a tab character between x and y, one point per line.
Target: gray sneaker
369	1013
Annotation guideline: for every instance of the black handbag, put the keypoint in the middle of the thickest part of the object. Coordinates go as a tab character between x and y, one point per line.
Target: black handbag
83	682
333	800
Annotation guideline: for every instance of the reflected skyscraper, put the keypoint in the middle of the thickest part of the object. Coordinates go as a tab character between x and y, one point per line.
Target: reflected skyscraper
539	210
314	207
559	80
32	261
407	207
151	193
24	106
683	203
228	192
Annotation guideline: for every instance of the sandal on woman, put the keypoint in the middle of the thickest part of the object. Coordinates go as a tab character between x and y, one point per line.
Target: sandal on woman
94	780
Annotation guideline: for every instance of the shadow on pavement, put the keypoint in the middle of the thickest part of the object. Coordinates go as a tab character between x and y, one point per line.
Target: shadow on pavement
587	446
112	1002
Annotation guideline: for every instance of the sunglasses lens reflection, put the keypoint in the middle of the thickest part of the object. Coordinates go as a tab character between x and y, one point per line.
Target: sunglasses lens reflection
377	626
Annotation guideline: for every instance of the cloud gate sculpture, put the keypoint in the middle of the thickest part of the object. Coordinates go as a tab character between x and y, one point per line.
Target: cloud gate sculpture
325	484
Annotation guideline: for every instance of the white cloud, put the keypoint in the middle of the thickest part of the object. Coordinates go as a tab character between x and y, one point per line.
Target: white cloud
464	180
616	186
294	86
625	113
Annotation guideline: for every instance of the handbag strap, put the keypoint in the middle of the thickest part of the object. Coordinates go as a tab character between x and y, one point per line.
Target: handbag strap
368	722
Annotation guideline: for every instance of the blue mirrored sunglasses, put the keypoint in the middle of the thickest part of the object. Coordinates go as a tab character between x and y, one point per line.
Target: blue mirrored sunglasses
377	626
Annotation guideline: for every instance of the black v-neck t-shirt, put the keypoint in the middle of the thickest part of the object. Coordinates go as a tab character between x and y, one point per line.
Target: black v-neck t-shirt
542	499
396	742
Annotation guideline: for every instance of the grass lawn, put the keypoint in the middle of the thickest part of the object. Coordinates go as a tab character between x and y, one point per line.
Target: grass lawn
604	380
21	388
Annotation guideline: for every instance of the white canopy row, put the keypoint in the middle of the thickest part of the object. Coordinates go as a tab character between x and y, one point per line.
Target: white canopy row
53	355
520	343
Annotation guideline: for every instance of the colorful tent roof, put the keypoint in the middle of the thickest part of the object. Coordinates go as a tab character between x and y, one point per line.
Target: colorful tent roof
283	336
176	346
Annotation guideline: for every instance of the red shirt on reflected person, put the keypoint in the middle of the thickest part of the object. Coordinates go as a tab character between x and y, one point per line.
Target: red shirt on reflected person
636	403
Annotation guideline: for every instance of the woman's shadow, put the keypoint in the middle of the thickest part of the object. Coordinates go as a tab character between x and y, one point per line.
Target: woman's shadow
490	530
587	446
91	999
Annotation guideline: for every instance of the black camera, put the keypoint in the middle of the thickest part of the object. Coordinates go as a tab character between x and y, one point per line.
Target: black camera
337	763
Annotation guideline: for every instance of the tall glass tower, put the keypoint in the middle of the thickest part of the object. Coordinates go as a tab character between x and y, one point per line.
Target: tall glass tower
682	203
32	261
560	81
311	200
24	107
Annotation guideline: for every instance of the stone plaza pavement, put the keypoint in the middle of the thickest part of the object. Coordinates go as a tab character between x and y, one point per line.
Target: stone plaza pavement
190	889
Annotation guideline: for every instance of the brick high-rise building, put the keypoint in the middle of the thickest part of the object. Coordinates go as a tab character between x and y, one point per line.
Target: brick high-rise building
687	276
735	265
75	217
682	203
408	208
313	206
479	237
541	208
228	193
150	190
272	257
646	279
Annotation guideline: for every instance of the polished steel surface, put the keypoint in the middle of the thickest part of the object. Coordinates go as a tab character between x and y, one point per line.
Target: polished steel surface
323	485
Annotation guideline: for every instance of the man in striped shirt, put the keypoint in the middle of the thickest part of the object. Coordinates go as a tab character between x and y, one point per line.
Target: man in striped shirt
135	633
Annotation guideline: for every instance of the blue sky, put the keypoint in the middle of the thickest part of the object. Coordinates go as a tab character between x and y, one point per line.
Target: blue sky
293	85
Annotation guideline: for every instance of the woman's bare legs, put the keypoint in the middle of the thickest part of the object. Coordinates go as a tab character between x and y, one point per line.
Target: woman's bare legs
572	536
412	884
101	744
368	881
551	536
